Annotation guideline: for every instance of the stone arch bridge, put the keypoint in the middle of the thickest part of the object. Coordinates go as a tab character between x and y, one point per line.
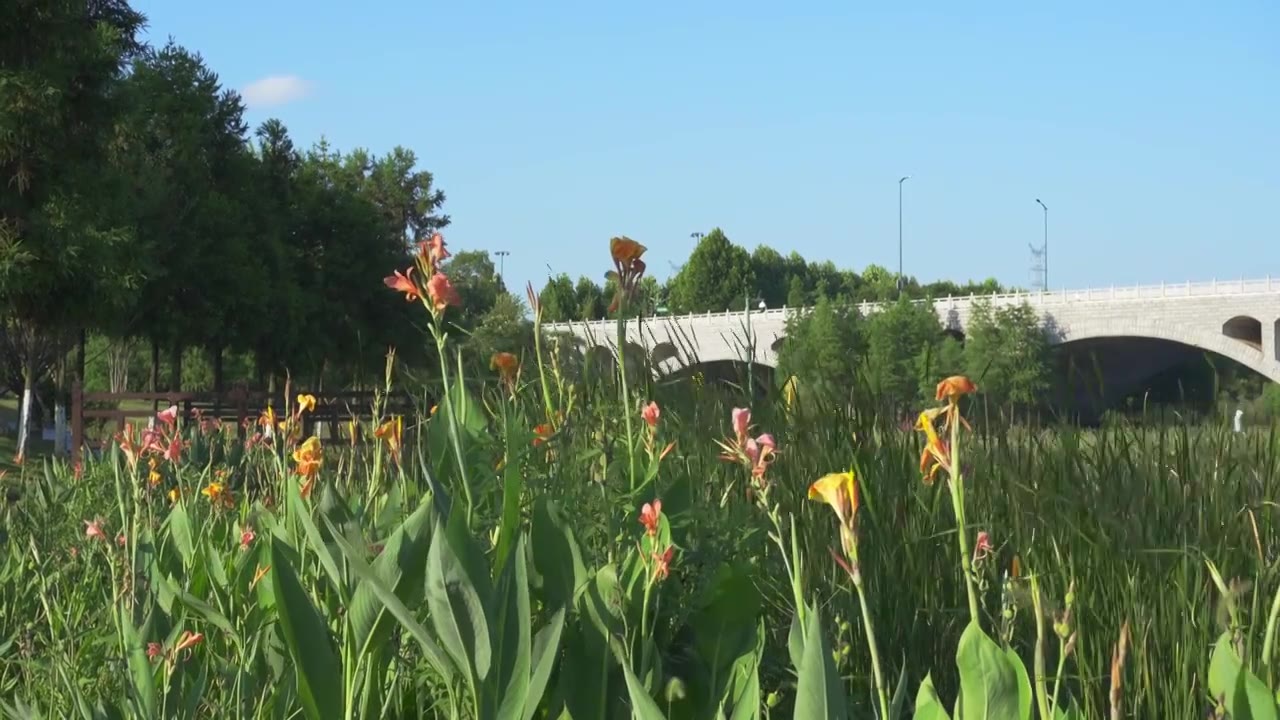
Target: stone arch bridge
1143	329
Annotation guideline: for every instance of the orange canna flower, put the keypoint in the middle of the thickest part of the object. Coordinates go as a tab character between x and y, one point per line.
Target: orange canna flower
433	250
625	250
391	432
214	491
93	529
506	364
403	282
308	456
953	387
441	292
543	433
187	641
258	574
662	564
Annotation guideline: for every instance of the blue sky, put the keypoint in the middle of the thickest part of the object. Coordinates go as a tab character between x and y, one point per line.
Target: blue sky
1151	129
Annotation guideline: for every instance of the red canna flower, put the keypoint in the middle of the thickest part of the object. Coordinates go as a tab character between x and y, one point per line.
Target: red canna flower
662	564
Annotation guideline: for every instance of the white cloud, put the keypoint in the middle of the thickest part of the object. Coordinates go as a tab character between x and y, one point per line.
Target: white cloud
275	90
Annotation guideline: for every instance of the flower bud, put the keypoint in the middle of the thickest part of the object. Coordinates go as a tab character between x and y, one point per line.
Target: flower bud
675	690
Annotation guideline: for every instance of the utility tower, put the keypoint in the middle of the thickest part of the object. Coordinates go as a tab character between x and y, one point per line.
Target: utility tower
1037	268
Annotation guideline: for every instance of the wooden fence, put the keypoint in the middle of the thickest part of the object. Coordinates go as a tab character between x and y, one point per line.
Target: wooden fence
239	405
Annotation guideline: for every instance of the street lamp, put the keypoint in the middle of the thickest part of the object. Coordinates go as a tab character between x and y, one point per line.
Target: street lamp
900	181
502	262
1046	244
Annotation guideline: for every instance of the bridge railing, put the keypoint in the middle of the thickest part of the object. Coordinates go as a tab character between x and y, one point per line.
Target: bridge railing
1212	288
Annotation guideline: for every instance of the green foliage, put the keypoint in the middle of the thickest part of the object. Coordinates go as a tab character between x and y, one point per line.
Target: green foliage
1007	351
823	347
717	276
896	335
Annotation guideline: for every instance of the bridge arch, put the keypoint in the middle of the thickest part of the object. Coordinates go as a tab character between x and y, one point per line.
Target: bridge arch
1180	334
1246	329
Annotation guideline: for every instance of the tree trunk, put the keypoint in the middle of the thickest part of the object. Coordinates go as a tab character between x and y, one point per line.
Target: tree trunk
175	368
217	369
154	385
28	389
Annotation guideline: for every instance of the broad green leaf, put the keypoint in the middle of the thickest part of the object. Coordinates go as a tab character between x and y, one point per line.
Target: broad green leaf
795	641
141	671
511	631
385	595
303	513
401	567
928	706
546	647
512	486
989	683
819	689
318	670
456	605
1072	713
642	705
726	637
743	694
1245	696
206	611
180	530
1026	699
558	570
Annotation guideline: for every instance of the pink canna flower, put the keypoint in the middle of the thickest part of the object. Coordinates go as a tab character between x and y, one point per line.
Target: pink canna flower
649	515
246	538
741	421
982	547
651	413
168	416
442	292
93	529
173	453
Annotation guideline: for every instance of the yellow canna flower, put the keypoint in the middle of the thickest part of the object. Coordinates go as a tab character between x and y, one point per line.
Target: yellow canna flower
840	491
214	491
306	403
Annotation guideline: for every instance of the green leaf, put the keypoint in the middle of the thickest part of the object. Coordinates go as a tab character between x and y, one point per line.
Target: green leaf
401	567
456	605
898	705
989	682
558	570
819	690
744	691
727	634
307	636
546	647
1026	699
303	513
642	705
141	672
512	486
180	530
384	594
511	622
1244	695
928	706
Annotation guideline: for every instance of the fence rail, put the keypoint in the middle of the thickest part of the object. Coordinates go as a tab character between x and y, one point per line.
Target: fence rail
239	404
1212	288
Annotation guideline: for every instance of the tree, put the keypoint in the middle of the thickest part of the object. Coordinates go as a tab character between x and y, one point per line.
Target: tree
66	259
896	335
592	301
479	286
503	328
822	348
718	276
1007	352
772	282
559	303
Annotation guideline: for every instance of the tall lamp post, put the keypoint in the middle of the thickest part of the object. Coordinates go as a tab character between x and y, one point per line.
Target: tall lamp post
900	181
1046	244
502	263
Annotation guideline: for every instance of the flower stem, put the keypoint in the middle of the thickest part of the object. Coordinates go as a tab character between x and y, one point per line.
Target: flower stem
626	394
881	691
957	501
